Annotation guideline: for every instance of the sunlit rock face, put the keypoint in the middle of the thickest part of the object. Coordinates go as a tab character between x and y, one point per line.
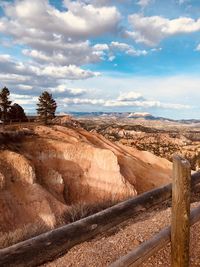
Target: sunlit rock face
57	167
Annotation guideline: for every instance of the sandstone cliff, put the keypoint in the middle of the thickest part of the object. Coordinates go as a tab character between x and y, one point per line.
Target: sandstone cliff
43	175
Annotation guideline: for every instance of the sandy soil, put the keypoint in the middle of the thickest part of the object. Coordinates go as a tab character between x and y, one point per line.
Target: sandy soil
104	250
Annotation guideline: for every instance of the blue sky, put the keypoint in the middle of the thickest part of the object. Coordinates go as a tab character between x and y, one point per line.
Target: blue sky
105	55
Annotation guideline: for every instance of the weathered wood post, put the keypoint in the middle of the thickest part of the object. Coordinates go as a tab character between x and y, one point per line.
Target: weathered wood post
180	226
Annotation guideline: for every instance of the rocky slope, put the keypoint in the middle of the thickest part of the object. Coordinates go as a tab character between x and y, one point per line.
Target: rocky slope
161	140
49	170
104	250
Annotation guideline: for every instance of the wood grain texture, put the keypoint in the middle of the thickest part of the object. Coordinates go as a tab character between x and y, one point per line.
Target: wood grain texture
180	232
52	244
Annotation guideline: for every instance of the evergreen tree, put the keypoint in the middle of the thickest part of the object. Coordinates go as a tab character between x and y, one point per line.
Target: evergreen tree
17	113
46	107
5	103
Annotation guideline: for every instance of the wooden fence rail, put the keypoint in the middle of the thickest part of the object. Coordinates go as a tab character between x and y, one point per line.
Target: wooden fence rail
178	232
147	249
52	244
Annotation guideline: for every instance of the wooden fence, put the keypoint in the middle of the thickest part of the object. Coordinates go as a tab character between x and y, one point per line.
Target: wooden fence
178	232
52	244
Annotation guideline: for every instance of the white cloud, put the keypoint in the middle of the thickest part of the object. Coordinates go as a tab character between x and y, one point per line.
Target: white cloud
70	91
152	30
135	99
172	94
101	47
198	47
182	2
80	20
23	99
129	99
71	72
130	96
128	49
59	37
83	101
133	52
144	3
81	53
99	3
33	78
111	58
14	78
144	104
78	53
108	51
167	90
36	54
25	87
120	46
5	57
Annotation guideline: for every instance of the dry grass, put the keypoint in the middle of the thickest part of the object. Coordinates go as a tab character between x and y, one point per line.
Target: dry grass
25	232
82	210
14	136
75	213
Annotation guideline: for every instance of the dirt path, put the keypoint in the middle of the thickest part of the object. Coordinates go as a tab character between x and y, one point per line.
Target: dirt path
102	251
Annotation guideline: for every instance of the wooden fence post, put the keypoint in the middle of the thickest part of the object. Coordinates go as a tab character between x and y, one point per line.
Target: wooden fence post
180	225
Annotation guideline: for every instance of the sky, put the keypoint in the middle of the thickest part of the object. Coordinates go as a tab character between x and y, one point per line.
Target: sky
103	55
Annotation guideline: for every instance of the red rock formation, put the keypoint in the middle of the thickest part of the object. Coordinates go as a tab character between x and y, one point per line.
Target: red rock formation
60	166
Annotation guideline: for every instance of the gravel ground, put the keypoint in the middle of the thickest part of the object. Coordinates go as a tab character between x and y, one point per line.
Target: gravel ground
103	250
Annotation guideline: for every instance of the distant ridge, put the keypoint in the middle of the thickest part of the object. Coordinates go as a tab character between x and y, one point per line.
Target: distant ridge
131	115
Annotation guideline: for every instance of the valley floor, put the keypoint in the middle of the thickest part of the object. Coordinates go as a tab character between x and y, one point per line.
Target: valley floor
103	250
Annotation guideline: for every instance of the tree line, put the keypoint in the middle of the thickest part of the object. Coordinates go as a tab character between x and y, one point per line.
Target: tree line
46	108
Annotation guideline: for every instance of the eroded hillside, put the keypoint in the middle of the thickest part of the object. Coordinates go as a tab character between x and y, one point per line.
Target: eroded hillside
163	139
50	169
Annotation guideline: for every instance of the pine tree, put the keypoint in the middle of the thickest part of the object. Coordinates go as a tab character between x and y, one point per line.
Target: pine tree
5	103
46	107
17	113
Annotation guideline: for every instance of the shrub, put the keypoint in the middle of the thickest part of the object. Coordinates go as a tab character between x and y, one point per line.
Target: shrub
81	210
20	234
